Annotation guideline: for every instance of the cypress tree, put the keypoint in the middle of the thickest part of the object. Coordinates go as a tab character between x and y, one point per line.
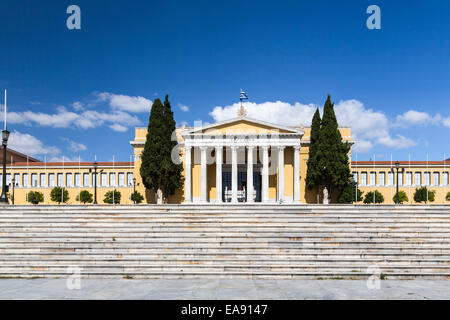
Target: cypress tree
152	156
313	173
171	168
332	152
158	171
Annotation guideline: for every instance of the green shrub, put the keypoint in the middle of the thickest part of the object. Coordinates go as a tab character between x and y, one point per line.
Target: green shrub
447	197
55	195
420	195
35	197
402	197
378	197
348	194
85	197
109	197
136	195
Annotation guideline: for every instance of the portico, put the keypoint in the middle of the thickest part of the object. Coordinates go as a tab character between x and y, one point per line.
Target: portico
242	160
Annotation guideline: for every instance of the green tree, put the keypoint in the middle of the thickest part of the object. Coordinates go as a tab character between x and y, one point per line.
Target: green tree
112	197
447	197
158	170
55	195
313	173
420	195
402	197
348	194
332	153
85	196
369	197
136	195
35	197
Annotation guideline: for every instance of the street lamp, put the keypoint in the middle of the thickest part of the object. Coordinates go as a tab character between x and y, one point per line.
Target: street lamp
397	168
95	180
3	197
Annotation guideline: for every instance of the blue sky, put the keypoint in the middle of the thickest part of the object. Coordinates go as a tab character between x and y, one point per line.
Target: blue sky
81	92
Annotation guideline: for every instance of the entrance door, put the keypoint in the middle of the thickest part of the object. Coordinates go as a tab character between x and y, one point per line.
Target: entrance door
242	183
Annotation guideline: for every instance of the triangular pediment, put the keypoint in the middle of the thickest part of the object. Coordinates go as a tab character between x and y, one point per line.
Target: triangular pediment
244	125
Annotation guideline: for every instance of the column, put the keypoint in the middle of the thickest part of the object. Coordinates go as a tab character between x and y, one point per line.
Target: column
219	153
250	174
187	175
265	175
281	174
234	174
296	174
203	185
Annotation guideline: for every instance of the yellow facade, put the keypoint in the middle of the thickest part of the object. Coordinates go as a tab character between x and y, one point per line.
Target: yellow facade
123	173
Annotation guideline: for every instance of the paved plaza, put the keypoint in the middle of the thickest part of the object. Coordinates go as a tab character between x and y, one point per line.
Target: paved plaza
222	289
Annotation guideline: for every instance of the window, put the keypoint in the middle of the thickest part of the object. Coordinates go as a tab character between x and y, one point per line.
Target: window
390	178
103	179
25	180
86	180
51	180
426	178
112	179
121	179
418	178
382	178
42	180
1	180
69	179
409	178
34	180
363	178
445	179
77	179
130	178
373	178
16	179
60	180
435	178
400	178
8	178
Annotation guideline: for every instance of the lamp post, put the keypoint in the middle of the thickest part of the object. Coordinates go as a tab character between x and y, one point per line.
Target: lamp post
3	197
397	168
134	190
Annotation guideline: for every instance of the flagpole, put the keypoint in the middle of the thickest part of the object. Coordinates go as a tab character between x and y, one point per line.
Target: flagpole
446	182
357	178
374	183
392	179
62	187
110	182
429	178
79	183
28	178
410	182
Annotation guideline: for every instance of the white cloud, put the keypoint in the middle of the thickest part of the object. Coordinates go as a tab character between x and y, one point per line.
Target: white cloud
183	107
63	118
126	103
278	112
368	127
74	146
446	122
119	128
77	106
30	145
65	159
414	118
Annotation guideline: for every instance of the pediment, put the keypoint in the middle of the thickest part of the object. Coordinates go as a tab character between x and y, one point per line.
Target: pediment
244	125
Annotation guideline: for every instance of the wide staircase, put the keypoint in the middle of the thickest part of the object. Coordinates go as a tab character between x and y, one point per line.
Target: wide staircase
228	241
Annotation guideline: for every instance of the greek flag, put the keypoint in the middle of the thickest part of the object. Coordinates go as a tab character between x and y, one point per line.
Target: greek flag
243	95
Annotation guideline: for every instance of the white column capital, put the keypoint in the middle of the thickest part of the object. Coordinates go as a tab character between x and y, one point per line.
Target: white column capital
281	148
297	148
265	147
203	148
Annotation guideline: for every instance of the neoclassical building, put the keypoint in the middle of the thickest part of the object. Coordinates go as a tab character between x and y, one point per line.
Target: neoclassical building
241	160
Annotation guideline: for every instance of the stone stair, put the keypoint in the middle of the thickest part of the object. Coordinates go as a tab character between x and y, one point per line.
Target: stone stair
226	241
